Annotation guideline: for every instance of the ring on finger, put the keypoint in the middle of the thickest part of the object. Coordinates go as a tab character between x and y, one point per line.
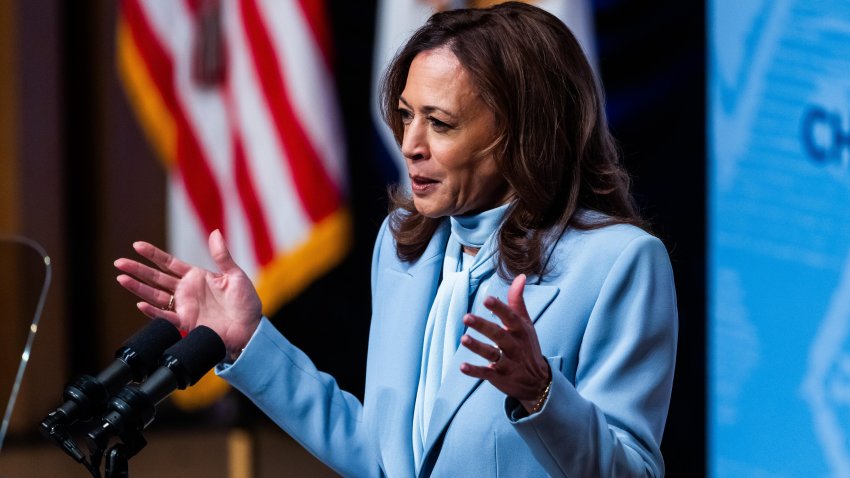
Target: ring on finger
499	358
170	306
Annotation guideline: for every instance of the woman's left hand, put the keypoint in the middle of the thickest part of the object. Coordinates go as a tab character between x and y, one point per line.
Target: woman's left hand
517	366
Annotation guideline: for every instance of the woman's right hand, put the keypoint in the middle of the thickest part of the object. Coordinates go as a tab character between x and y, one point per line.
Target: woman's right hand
225	301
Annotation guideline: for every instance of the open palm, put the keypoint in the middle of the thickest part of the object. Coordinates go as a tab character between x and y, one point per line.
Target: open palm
225	301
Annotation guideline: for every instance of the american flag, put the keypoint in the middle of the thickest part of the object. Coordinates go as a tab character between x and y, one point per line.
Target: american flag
237	98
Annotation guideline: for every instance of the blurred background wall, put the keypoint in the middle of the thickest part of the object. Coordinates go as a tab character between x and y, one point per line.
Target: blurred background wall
78	175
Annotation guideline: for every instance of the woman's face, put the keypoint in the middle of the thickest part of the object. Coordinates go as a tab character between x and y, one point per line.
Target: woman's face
447	126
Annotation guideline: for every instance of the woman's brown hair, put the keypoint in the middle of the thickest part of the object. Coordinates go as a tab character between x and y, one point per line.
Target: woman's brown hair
552	142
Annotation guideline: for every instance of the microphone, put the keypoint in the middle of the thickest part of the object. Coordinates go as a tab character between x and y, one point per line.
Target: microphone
87	396
133	408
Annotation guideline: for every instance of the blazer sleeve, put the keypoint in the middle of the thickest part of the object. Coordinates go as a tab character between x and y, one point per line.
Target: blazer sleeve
306	403
609	424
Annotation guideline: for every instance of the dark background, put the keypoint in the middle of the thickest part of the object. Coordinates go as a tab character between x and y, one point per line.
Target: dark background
89	184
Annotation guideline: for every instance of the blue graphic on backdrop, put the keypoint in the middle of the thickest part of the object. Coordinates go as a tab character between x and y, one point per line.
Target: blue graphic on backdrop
823	134
779	298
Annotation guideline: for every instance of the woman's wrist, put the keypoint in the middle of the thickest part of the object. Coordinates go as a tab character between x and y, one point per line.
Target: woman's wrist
541	400
236	347
234	354
534	406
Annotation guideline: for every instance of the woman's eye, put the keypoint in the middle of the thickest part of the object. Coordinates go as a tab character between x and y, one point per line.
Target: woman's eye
438	125
406	115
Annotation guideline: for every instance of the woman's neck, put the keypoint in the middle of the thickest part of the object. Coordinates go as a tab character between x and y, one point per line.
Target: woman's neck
472	231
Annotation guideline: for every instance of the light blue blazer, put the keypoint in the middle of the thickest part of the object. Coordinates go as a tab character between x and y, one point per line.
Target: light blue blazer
607	323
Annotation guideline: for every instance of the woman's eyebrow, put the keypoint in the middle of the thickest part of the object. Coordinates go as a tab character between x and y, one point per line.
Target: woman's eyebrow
428	108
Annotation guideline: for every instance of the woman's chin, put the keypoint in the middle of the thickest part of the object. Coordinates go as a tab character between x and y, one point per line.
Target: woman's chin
428	209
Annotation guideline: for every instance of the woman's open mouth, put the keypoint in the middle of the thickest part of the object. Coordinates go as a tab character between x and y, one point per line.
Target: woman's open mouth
421	184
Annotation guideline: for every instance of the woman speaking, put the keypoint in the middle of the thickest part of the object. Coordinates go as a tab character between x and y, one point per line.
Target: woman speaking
523	321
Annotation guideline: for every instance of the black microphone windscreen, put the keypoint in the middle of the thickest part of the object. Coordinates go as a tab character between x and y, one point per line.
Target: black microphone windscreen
149	342
198	352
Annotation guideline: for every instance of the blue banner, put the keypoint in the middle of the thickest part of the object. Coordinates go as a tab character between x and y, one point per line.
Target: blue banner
779	238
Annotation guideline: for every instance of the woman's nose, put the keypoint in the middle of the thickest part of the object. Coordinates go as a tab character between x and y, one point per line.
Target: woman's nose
414	144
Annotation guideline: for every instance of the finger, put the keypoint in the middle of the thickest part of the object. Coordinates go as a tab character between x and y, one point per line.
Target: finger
509	317
161	259
488	352
490	330
515	299
144	291
156	313
147	274
220	254
485	373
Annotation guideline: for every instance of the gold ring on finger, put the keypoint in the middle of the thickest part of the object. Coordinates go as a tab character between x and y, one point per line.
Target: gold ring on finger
499	358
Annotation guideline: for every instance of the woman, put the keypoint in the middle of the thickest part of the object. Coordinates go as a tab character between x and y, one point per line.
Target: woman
522	324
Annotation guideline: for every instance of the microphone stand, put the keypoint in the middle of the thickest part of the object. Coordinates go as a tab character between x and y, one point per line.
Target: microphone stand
117	462
118	456
131	442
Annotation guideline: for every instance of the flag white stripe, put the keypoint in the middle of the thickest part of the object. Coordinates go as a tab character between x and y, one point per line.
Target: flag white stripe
185	236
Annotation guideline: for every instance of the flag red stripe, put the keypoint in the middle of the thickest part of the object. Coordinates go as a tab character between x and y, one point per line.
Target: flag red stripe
194	171
194	5
315	13
318	194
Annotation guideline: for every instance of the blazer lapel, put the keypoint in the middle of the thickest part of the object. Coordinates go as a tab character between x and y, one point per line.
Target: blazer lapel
457	386
405	297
